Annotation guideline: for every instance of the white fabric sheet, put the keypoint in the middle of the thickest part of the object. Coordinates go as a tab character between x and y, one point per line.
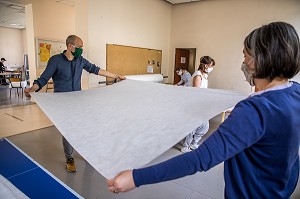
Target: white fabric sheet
9	191
128	124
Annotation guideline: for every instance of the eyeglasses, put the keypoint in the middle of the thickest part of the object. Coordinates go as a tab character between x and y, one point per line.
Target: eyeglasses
76	46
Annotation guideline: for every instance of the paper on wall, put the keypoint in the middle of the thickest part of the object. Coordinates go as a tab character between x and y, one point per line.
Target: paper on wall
128	124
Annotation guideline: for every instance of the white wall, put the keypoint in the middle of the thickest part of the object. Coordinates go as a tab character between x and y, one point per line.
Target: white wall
140	23
217	28
11	46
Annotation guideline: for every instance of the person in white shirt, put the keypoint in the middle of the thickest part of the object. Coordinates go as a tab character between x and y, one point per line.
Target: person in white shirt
199	80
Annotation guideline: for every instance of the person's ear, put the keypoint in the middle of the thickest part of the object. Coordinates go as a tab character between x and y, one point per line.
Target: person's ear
70	46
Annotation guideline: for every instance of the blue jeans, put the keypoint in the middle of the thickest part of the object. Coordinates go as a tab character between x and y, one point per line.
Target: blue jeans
68	149
194	137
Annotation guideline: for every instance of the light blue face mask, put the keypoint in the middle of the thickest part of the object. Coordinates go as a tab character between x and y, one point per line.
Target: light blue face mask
248	73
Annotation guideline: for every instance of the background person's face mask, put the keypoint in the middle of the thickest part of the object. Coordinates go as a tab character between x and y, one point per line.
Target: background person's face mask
77	52
248	73
209	70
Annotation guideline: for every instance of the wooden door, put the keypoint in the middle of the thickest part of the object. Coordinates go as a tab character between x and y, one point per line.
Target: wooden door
181	60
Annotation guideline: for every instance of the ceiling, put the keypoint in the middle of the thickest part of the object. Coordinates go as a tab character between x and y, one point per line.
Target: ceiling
12	12
181	1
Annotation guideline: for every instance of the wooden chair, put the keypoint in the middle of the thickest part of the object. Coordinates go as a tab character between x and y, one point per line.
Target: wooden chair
17	84
49	85
228	111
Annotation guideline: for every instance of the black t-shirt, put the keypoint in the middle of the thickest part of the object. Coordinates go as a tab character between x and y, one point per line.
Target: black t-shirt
2	67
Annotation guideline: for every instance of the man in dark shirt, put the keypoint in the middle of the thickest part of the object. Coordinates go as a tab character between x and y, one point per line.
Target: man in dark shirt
2	70
66	69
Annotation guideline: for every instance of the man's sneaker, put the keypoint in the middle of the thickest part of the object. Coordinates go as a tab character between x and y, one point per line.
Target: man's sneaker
70	166
194	146
185	149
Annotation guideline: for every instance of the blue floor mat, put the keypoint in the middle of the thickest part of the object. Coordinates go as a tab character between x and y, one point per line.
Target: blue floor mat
28	176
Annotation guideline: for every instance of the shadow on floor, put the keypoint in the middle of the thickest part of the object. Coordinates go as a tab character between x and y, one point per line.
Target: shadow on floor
7	102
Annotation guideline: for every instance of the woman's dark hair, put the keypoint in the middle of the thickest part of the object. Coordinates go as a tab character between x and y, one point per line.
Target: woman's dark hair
206	60
179	68
276	50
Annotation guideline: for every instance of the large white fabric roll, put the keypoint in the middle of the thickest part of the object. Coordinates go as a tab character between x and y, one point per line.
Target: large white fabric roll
147	77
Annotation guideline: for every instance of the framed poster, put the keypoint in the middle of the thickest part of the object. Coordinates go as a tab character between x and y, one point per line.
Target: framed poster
46	48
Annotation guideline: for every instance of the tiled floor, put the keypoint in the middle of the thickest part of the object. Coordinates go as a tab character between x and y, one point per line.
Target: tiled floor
20	119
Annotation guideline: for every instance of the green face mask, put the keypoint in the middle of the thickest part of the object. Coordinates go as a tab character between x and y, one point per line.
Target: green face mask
78	52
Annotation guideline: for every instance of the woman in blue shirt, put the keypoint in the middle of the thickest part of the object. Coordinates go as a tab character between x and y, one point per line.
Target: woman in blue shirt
259	141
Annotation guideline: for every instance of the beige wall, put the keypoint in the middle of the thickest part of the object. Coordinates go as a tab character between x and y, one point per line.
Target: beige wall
218	28
140	23
50	20
214	27
24	37
53	20
11	46
30	42
81	29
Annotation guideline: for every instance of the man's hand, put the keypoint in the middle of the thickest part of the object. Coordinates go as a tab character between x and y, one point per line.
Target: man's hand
111	75
121	77
27	93
123	182
32	89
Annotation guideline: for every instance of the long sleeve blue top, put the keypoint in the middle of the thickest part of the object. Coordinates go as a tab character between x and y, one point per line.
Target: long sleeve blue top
259	143
66	74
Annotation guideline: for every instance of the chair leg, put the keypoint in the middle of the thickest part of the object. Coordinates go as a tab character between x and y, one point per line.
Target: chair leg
10	93
223	116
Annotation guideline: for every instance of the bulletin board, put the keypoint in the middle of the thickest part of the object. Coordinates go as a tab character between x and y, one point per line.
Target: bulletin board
128	60
46	48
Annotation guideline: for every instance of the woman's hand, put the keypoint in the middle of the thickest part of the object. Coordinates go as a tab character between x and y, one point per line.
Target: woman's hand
123	182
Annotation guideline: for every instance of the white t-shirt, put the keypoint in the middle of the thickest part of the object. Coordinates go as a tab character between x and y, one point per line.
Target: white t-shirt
204	80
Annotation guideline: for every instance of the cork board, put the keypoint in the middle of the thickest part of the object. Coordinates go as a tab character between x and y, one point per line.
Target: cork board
127	60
